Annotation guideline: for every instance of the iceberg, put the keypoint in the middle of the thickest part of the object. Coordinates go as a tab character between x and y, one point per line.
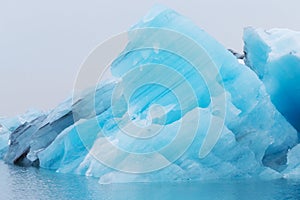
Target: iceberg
275	56
165	115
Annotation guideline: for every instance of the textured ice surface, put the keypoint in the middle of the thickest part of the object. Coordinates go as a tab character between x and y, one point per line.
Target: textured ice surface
293	169
20	139
275	56
34	131
254	141
11	125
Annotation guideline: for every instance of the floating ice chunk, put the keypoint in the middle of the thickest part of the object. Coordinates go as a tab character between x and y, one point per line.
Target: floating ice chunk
255	136
106	133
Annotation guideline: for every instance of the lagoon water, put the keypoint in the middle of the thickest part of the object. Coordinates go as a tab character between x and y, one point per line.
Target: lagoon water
17	183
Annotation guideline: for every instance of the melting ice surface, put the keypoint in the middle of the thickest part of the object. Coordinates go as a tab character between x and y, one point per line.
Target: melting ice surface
256	140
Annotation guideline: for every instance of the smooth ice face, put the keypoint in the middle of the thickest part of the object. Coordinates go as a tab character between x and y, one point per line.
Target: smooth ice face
275	56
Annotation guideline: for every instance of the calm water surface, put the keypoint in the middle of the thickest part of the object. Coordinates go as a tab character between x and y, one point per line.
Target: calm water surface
35	184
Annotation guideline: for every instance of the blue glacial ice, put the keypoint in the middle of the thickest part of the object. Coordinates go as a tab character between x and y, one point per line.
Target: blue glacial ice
10	125
275	56
22	129
293	167
255	141
4	135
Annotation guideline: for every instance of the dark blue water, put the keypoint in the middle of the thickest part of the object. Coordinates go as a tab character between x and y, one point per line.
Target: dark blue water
34	184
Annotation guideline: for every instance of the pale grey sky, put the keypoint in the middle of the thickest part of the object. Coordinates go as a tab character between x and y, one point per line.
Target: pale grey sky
43	43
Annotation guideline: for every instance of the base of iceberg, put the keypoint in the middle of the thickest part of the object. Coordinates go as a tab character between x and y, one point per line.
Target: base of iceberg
108	132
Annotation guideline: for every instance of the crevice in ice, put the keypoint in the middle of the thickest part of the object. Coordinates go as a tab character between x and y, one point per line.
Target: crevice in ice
276	160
